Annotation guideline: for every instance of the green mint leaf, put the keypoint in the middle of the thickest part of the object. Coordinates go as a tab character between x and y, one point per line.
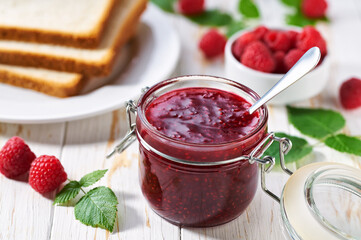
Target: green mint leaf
165	5
213	18
300	149
92	178
248	9
316	123
292	3
345	144
234	27
298	19
97	208
68	192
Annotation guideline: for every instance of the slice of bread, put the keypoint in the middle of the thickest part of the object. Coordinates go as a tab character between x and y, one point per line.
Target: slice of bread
89	62
61	84
78	23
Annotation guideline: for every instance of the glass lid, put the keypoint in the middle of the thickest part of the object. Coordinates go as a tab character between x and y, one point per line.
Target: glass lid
323	201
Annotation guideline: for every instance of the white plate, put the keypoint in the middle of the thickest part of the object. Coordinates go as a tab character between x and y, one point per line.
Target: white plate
157	56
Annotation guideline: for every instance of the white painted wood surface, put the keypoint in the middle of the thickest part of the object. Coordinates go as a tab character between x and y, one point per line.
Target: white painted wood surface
82	146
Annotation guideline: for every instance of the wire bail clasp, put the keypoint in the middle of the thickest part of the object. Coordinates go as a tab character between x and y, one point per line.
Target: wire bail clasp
268	162
130	137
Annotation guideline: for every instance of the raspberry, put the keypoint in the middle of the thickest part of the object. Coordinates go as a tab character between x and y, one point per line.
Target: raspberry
292	35
260	32
309	38
277	41
257	56
46	174
292	57
15	157
279	58
212	43
350	93
314	8
191	7
240	44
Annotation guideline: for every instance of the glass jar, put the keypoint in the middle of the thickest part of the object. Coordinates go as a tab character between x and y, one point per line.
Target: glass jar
197	185
203	185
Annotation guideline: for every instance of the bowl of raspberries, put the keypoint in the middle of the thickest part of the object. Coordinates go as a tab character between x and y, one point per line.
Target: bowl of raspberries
259	57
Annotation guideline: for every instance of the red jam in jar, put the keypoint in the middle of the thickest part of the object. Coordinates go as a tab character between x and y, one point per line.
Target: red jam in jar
188	128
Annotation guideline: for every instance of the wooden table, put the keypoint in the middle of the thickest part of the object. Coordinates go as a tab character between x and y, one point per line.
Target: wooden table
82	146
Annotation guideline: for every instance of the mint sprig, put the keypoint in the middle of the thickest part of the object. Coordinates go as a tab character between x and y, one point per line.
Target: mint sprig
217	18
316	123
97	208
320	124
68	192
292	3
213	18
344	143
324	124
165	5
248	9
297	18
92	178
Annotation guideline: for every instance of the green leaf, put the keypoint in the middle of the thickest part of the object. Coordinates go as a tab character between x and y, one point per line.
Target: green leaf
345	144
316	123
165	5
300	149
234	27
292	3
97	208
92	178
214	18
68	192
248	9
298	19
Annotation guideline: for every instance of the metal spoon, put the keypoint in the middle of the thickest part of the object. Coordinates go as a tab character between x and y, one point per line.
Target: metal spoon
303	66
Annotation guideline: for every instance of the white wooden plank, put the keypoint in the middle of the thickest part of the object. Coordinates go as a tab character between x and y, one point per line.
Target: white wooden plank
24	213
86	145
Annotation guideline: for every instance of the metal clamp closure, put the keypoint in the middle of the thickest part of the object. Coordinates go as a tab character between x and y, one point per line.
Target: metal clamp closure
285	146
130	137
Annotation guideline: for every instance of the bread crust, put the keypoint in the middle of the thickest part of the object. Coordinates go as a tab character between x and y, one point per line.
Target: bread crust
84	67
55	89
88	40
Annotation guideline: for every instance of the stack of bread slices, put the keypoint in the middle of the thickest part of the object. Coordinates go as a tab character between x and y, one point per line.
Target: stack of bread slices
57	46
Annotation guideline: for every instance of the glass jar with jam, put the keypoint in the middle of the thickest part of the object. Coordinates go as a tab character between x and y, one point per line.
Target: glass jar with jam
199	155
189	130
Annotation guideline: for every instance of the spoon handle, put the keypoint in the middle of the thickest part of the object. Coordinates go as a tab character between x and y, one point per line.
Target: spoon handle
304	65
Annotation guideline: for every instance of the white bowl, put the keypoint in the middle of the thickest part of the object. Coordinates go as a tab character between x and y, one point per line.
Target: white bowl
308	86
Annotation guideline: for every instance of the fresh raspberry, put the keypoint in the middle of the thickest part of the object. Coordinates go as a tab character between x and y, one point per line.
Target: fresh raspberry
350	93
191	7
212	43
293	36
314	8
242	42
260	32
292	57
310	37
46	174
279	58
277	41
257	56
15	157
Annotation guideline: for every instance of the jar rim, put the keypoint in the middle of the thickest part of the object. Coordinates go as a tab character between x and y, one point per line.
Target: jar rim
250	93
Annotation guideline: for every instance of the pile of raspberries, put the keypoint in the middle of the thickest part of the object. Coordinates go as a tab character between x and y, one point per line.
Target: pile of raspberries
276	51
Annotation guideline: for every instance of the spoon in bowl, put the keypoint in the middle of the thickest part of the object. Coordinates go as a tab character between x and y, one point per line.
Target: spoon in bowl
304	65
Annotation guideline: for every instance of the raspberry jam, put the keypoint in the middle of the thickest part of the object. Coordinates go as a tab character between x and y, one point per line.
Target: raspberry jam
188	128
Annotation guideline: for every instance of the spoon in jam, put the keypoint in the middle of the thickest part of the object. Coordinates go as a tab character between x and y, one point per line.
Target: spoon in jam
304	65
